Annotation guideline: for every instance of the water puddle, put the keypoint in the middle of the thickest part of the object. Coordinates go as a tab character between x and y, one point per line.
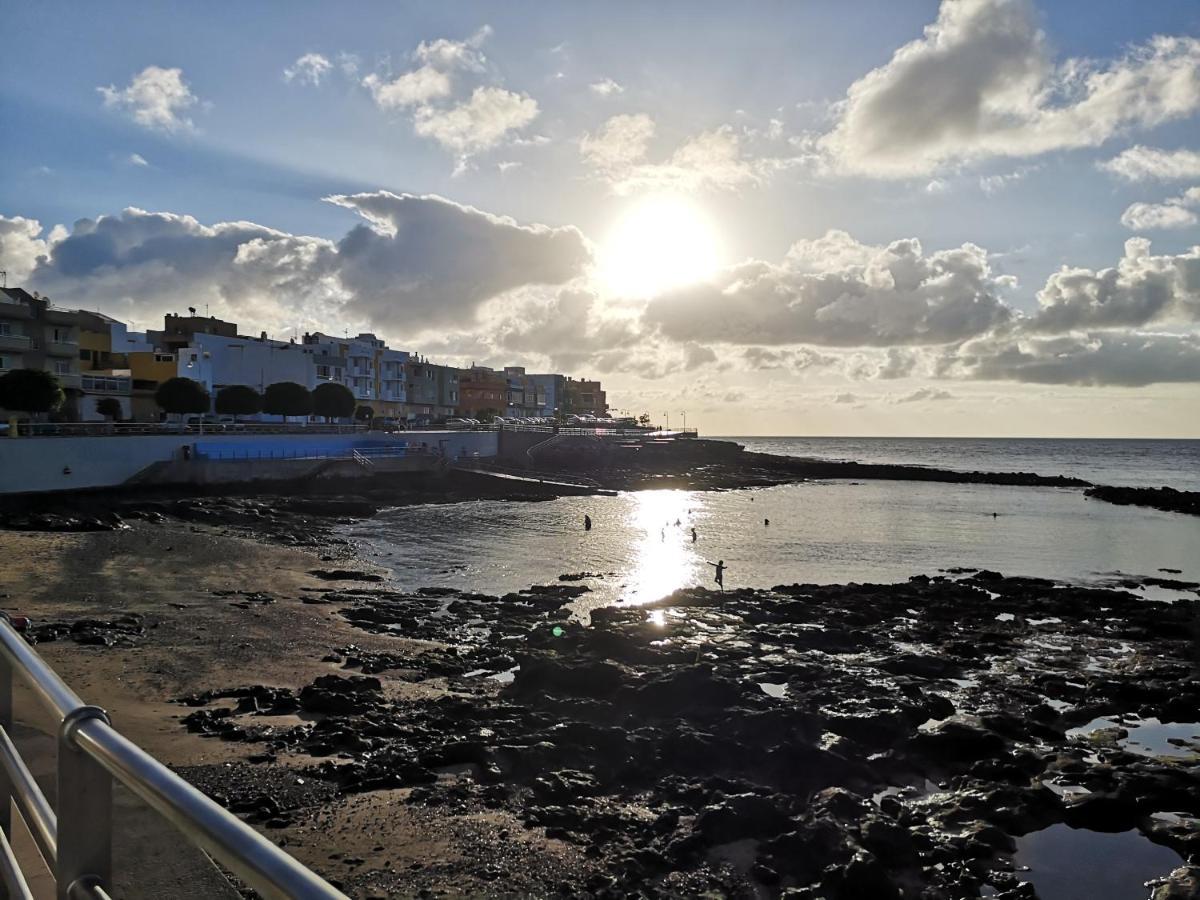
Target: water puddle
1148	737
778	691
1065	863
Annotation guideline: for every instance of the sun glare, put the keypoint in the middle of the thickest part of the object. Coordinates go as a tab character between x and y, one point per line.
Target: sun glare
662	242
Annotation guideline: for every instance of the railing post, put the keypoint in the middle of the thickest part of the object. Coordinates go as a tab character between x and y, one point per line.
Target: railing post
6	721
84	811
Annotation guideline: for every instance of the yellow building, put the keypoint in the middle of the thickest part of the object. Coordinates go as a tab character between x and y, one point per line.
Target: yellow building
149	369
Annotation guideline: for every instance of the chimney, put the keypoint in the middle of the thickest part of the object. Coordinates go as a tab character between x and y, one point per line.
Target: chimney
262	335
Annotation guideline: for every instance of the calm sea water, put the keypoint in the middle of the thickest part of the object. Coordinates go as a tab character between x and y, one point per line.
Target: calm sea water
823	532
1141	463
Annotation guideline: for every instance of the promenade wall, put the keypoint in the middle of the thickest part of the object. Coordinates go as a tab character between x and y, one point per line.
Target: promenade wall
39	464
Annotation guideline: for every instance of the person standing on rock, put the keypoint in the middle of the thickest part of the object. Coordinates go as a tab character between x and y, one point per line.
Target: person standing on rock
693	535
587	522
719	578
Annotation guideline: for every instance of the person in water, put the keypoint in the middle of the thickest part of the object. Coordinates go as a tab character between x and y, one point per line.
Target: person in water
766	523
587	523
719	578
693	535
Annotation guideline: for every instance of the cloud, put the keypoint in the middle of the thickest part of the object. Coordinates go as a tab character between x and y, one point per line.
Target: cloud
308	69
696	356
479	123
427	262
1128	359
835	291
447	54
156	98
1174	212
606	88
620	144
136	159
924	395
797	359
20	246
845	398
1149	164
413	88
1141	289
710	160
424	263
463	124
981	83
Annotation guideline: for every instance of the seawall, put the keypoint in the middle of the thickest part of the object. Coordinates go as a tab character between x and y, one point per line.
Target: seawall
51	464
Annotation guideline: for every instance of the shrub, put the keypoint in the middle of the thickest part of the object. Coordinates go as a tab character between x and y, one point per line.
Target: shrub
239	400
333	401
286	398
181	395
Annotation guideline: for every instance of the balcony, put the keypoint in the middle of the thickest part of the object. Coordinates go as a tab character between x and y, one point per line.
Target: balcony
17	342
10	309
62	348
55	316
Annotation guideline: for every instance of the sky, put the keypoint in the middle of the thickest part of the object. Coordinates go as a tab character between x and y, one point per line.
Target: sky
973	217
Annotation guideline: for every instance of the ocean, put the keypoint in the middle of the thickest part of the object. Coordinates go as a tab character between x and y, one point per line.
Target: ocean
1134	463
641	546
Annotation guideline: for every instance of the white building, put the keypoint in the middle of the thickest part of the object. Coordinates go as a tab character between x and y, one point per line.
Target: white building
217	361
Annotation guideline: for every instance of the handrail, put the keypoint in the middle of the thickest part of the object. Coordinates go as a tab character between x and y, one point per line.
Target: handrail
77	843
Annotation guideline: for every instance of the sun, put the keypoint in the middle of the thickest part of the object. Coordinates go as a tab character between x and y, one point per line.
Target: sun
662	242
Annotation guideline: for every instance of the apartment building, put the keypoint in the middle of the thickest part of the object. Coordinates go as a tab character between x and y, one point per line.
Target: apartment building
482	391
36	335
585	397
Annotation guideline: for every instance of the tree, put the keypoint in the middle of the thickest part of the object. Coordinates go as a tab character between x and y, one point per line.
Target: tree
30	391
644	420
181	396
110	408
333	401
239	400
364	414
286	398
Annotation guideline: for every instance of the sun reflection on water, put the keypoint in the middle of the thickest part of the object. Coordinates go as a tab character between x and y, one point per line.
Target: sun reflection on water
664	559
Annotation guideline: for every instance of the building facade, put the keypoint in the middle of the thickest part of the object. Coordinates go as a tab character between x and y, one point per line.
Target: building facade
36	335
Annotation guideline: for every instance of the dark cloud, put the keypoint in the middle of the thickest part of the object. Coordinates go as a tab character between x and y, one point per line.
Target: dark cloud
422	263
1128	359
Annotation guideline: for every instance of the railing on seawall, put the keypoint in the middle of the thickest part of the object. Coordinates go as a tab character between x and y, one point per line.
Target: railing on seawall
75	841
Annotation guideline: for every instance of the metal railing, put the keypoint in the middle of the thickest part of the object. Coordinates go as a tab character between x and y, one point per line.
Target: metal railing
75	841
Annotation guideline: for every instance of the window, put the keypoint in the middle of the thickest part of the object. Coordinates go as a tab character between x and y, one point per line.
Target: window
6	328
3	362
62	368
163	357
85	355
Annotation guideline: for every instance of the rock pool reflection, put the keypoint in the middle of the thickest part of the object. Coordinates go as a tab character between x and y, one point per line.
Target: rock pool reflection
663	559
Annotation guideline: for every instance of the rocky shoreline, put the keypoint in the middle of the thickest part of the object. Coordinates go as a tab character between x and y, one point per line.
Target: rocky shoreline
837	741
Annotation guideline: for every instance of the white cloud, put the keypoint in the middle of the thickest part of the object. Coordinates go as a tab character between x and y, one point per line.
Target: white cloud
462	124
447	54
1149	164
606	88
20	246
710	160
479	123
837	291
308	69
620	144
136	159
413	88
1174	212
981	83
1141	289
156	98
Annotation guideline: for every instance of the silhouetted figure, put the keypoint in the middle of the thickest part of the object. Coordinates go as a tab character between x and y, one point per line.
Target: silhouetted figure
662	533
719	578
693	535
677	523
994	515
766	523
587	523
